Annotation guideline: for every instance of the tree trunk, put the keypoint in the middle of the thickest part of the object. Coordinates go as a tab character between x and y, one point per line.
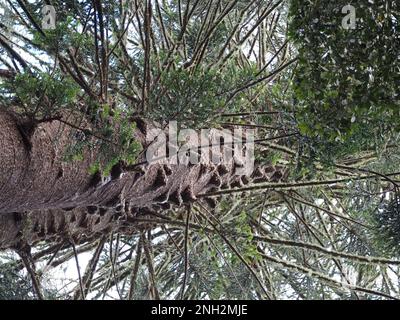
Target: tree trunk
43	197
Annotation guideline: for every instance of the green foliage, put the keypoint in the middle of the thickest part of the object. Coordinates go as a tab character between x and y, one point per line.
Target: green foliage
67	33
14	286
387	222
346	82
196	96
125	148
113	139
41	93
63	36
248	247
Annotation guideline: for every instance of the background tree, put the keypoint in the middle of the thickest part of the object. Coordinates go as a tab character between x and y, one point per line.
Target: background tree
346	81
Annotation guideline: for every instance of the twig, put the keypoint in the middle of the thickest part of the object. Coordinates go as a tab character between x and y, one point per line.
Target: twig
186	252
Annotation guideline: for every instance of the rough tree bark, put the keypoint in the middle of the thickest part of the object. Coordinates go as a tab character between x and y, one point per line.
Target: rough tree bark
42	197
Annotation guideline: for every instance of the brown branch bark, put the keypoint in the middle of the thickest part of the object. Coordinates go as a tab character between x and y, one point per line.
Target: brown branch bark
43	197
